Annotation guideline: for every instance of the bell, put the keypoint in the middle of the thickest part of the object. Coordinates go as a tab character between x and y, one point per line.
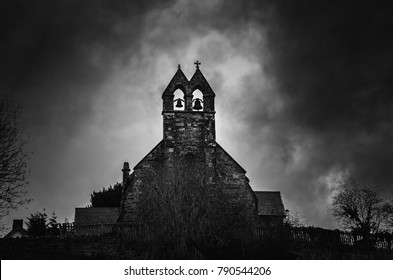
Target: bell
197	104
178	103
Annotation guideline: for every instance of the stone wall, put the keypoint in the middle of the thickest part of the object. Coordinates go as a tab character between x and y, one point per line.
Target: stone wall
188	132
142	175
221	170
231	177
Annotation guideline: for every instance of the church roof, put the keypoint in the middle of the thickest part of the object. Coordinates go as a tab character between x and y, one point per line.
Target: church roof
198	81
228	155
154	150
270	203
179	81
96	215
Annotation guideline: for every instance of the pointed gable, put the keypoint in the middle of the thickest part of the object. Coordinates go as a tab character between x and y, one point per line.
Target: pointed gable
179	81
198	81
154	156
224	154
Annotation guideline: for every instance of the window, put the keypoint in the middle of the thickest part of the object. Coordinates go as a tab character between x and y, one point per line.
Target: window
197	100
178	100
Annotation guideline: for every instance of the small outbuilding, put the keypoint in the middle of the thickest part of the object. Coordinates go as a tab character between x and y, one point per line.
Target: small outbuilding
95	220
17	230
271	212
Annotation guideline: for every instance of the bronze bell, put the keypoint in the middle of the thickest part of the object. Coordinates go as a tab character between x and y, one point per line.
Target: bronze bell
178	103
197	104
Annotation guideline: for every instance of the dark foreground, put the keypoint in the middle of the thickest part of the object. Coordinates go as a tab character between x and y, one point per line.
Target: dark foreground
109	247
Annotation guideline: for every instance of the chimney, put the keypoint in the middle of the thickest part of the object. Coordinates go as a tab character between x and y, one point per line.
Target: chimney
17	224
126	172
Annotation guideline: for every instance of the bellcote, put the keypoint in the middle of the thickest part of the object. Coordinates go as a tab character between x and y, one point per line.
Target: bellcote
189	102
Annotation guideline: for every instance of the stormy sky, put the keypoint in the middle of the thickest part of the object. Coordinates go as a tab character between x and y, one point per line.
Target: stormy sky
303	91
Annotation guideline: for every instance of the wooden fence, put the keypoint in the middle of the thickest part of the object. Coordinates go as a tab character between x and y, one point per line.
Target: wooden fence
317	236
336	238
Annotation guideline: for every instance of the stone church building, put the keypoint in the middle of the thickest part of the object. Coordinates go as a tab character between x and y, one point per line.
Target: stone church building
189	130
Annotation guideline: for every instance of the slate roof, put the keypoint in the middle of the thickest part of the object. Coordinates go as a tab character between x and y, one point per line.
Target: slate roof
156	148
96	215
270	203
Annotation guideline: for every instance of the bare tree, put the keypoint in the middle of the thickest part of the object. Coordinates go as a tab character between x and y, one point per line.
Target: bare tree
184	210
13	159
361	207
293	220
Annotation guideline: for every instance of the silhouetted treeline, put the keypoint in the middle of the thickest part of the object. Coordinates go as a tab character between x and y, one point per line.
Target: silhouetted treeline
109	197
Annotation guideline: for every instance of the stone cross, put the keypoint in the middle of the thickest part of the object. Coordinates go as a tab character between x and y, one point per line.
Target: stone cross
197	63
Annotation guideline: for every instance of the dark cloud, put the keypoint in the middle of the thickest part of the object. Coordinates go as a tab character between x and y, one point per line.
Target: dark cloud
58	52
332	63
333	59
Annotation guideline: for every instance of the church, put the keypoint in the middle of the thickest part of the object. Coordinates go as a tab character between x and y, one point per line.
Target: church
189	133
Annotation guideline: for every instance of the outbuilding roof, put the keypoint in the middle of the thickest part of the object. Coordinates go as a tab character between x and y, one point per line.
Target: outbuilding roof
270	203
96	215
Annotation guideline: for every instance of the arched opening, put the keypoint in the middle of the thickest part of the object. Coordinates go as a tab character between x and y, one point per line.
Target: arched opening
197	100
178	100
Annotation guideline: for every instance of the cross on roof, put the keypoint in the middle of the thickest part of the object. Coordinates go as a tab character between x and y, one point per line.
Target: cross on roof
197	63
